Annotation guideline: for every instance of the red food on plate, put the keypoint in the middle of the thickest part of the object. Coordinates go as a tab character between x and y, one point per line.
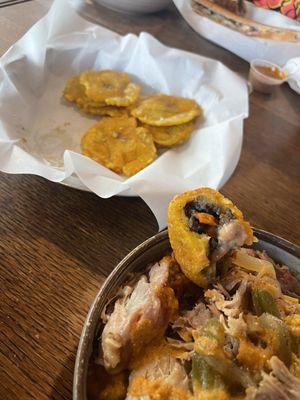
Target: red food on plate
289	8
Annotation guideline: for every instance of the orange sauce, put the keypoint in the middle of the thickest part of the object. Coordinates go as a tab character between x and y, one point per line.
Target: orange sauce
156	389
272	72
251	356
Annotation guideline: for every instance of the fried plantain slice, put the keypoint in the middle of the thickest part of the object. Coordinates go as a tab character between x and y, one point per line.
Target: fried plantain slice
145	153
164	110
169	136
73	90
109	87
198	241
119	145
130	96
100	85
105	110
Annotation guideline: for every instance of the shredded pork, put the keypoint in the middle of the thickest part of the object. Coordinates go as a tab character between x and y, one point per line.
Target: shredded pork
279	384
230	308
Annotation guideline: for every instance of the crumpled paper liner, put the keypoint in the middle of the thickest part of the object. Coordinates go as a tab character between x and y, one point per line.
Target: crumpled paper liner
40	132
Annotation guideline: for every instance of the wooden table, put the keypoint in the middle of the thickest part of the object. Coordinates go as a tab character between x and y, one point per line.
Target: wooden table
57	245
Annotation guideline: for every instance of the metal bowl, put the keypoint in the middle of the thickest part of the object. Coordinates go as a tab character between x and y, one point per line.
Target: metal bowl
137	260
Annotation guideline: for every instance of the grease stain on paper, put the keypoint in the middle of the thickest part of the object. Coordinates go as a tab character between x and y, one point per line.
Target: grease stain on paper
51	145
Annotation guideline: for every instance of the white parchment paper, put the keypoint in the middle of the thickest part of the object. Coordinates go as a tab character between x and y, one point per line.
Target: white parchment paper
244	46
40	132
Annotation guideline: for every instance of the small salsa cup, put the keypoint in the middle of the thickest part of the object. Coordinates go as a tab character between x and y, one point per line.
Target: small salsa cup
265	76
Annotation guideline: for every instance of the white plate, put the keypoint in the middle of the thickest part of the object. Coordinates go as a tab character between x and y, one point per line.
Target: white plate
246	47
135	6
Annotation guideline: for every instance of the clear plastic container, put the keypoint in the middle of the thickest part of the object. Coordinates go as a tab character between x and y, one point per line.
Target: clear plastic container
265	76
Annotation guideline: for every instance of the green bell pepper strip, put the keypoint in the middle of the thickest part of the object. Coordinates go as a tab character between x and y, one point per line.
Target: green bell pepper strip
205	375
279	335
264	302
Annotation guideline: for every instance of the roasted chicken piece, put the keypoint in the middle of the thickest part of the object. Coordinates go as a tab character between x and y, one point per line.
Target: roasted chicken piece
138	318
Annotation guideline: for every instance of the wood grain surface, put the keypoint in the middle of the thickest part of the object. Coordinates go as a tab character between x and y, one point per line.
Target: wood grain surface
57	244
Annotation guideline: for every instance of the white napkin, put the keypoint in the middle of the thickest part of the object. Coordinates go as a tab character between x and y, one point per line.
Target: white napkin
292	70
40	133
